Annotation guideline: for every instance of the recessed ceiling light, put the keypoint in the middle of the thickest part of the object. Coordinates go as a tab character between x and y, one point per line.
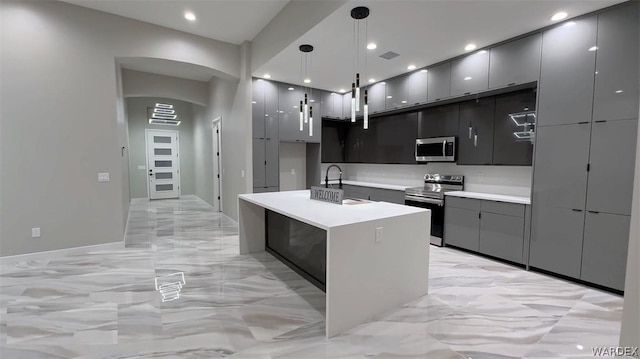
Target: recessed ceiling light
307	81
372	81
389	96
619	91
190	16
411	67
468	78
290	89
341	90
470	47
267	76
593	48
372	46
559	16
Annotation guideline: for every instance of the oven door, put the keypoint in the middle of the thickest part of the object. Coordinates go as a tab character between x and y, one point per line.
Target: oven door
437	215
439	149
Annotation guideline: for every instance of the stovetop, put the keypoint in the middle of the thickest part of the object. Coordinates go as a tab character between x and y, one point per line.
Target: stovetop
436	185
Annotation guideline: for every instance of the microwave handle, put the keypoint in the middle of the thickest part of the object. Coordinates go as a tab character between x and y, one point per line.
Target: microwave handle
444	147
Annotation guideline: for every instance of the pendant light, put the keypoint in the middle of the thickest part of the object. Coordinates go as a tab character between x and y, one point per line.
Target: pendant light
357	14
306	110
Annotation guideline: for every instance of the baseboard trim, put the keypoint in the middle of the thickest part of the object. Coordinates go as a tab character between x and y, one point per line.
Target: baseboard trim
56	253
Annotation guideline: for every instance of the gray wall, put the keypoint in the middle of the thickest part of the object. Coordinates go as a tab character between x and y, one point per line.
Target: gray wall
203	153
630	333
60	119
138	123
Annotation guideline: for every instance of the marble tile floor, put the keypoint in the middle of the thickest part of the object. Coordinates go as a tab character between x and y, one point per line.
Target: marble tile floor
104	304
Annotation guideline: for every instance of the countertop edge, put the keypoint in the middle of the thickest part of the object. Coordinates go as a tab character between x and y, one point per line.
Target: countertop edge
490	197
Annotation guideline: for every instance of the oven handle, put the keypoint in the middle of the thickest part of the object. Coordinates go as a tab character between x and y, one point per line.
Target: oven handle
439	202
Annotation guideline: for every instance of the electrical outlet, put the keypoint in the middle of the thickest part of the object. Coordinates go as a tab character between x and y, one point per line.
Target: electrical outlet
103	177
378	234
35	232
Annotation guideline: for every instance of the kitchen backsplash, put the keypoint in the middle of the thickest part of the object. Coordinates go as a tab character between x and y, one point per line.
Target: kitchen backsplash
510	180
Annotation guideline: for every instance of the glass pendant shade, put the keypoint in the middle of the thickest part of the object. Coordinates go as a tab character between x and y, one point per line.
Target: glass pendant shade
366	111
310	121
301	118
358	92
306	109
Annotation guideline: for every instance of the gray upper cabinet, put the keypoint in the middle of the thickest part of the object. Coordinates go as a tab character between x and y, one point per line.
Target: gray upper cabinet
377	97
416	87
271	110
257	108
326	104
346	105
289	105
560	176
556	240
439	82
567	73
605	248
616	85
612	159
515	62
470	74
396	93
337	105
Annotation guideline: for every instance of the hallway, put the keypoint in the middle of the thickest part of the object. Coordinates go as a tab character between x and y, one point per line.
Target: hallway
104	304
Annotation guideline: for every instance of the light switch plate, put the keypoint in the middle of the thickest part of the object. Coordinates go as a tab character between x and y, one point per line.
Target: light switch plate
103	177
35	232
379	234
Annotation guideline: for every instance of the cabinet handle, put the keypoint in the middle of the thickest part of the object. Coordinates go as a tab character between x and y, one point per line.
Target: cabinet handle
467	93
511	84
600	121
576	210
596	212
475	140
470	130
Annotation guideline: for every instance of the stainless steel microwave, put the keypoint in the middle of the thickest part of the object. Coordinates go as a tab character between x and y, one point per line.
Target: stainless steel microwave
437	149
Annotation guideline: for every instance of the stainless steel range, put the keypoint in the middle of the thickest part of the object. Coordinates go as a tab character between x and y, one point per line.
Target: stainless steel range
431	196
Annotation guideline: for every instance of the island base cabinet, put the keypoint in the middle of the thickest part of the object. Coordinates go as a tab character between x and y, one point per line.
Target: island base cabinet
604	253
502	236
556	240
462	228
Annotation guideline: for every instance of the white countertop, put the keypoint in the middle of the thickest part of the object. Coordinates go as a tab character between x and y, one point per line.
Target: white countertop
490	197
370	184
298	205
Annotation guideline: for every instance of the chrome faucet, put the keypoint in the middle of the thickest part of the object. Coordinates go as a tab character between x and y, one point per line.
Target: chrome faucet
326	177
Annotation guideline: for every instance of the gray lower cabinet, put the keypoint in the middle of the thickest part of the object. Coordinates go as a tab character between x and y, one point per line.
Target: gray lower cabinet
567	72
272	164
556	240
605	248
616	86
373	193
439	82
612	159
470	74
515	62
502	236
462	227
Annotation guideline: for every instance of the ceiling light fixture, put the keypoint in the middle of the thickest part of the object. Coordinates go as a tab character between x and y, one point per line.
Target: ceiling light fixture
306	110
411	67
470	47
357	14
558	16
162	114
267	76
372	46
190	16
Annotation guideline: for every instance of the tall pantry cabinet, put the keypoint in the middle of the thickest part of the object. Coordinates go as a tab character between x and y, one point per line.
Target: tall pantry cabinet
585	146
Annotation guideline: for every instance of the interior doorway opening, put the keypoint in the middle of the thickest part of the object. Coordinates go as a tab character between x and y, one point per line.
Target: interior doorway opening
216	128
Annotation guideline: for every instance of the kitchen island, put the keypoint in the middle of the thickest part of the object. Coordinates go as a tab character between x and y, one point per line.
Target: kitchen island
368	257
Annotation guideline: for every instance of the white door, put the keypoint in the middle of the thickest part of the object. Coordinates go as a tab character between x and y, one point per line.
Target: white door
163	164
217	180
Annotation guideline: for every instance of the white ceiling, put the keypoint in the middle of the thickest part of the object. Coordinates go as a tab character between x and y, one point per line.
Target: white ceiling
423	32
224	20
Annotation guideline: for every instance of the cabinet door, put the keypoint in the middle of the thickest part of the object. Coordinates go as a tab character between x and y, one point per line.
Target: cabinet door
396	93
272	170
337	105
289	113
438	121
396	138
314	108
616	88
368	143
333	141
346	105
605	249
376	93
328	108
516	62
271	110
416	87
352	148
567	73
259	170
439	82
560	176
511	146
556	240
612	163
462	228
475	132
470	74
502	236
257	108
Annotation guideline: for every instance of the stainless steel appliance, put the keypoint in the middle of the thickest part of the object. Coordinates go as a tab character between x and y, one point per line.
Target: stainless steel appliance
431	196
437	149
